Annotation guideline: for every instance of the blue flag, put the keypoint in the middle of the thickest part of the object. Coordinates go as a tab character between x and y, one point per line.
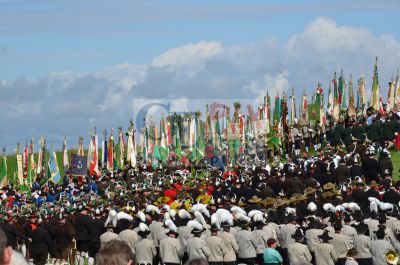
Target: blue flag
55	176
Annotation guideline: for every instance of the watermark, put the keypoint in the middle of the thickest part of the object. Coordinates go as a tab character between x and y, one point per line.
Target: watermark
146	110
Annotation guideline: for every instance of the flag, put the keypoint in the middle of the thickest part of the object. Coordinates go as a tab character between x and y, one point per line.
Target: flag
78	165
351	111
65	159
391	97
104	151
92	158
54	176
162	150
80	147
292	108
110	153
313	113
304	109
318	95
131	147
31	166
336	99
342	91
329	107
177	142
3	172
375	88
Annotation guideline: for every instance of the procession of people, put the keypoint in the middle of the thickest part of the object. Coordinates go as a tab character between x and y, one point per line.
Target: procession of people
331	200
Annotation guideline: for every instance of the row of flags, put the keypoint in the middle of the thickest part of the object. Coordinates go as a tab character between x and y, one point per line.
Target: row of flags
219	129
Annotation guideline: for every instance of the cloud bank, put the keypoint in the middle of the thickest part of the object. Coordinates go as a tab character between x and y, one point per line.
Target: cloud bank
71	103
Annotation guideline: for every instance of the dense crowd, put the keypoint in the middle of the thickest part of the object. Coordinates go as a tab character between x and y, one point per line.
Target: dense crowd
336	205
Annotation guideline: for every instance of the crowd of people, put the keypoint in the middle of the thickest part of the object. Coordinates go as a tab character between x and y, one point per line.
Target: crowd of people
337	205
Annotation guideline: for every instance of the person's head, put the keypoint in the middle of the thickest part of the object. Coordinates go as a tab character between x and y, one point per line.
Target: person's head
115	252
352	253
5	251
271	243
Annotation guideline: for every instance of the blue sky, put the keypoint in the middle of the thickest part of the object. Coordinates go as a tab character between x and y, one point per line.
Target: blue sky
38	37
67	66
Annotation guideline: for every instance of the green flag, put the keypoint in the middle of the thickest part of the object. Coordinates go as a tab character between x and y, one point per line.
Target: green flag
3	173
375	87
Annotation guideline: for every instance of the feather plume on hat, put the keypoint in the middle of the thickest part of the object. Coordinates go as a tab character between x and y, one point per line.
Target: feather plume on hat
199	218
195	225
312	207
123	215
172	213
386	206
183	214
236	209
202	208
354	206
328	207
171	226
225	216
141	216
290	210
215	221
373	207
143	227
254	212
152	208
111	219
242	217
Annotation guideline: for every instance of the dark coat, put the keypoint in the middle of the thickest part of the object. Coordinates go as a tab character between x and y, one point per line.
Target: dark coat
41	242
81	229
12	233
342	173
62	236
96	229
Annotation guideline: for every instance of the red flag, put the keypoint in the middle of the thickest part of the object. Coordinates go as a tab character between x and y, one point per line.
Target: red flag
110	154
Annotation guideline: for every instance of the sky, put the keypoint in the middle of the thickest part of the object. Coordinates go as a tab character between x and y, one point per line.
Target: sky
67	66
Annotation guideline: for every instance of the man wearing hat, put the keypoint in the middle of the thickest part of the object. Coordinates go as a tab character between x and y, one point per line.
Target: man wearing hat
247	245
341	243
144	248
108	235
363	244
216	247
95	229
325	253
82	234
231	246
297	251
312	234
62	237
380	247
196	246
11	232
41	244
171	251
287	232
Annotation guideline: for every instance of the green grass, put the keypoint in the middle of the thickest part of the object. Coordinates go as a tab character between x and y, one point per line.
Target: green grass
396	164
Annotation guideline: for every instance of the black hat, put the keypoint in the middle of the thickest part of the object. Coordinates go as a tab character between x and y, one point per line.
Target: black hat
380	233
325	236
143	234
172	232
298	235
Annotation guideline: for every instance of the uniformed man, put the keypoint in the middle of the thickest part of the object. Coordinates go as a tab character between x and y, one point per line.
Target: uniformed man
298	253
247	245
231	246
108	235
216	247
325	253
171	251
145	250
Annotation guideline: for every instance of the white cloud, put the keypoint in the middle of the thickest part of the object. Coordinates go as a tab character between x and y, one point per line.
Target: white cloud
70	103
